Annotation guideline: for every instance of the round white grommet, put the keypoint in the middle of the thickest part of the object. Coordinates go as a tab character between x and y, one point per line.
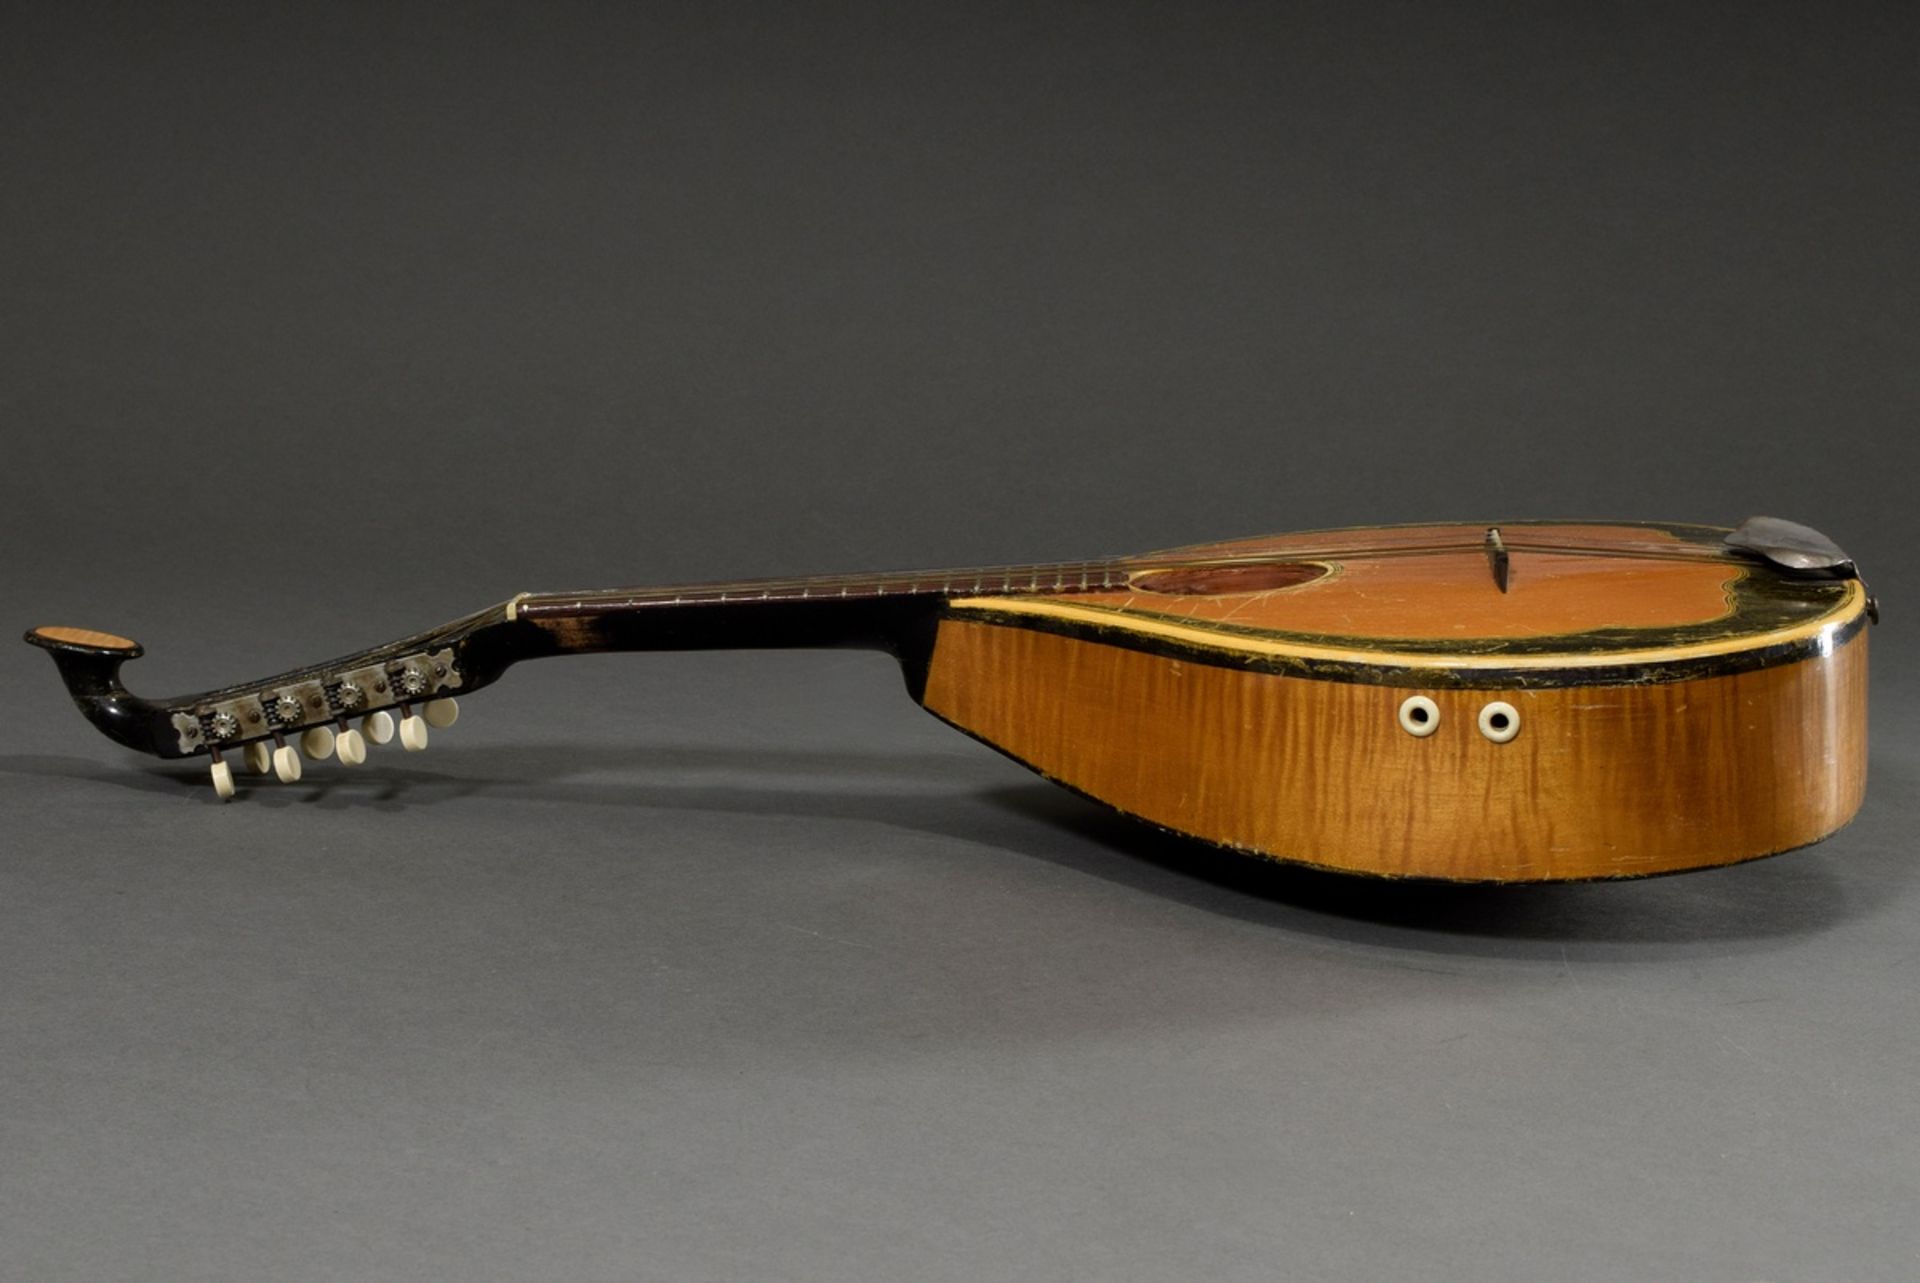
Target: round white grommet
441	713
222	781
1499	721
317	743
286	764
260	757
378	726
1419	715
350	747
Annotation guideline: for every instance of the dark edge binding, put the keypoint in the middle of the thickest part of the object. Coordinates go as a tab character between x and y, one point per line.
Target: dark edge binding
1442	676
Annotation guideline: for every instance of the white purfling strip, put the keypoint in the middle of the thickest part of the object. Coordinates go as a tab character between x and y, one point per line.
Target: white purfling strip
1853	604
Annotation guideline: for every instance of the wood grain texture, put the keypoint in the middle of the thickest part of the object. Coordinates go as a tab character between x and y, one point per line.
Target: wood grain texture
1450	595
1600	782
1827	605
86	637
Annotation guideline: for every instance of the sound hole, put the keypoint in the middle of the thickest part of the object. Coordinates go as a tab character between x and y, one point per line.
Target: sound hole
1213	581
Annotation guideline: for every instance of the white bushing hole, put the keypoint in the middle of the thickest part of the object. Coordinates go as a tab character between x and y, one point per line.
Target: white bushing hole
1419	715
1499	721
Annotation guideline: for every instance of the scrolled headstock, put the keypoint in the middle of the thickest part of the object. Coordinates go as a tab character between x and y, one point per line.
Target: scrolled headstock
333	710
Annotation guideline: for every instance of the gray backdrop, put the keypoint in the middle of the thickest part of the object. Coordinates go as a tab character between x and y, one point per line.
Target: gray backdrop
323	326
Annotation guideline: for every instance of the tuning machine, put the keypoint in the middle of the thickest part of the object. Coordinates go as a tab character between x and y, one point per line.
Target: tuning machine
345	696
316	718
378	727
349	745
440	713
415	683
286	762
349	696
222	775
413	729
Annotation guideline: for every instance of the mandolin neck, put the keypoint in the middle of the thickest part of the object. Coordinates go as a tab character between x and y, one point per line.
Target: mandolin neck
894	612
1053	578
891	612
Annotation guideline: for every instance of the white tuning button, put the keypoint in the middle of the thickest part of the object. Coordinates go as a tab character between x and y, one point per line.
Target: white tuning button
222	780
317	743
378	726
413	732
350	747
442	713
259	757
286	764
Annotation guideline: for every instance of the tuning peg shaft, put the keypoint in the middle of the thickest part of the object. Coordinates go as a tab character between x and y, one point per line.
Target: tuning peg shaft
286	762
222	778
413	730
349	745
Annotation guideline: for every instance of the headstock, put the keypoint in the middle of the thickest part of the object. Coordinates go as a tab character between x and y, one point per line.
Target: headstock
332	710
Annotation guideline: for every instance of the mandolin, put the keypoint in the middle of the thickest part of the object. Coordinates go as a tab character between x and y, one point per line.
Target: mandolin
1530	702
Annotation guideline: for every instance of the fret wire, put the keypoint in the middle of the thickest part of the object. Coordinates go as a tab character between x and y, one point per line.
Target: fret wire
978	582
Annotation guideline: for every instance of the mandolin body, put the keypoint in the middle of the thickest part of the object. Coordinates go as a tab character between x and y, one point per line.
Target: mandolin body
1669	715
1539	702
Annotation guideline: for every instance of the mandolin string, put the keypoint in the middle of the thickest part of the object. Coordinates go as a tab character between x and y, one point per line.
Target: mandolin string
1049	579
1054	577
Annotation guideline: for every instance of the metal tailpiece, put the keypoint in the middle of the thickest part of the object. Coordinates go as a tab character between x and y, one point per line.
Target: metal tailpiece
1797	549
1792	546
